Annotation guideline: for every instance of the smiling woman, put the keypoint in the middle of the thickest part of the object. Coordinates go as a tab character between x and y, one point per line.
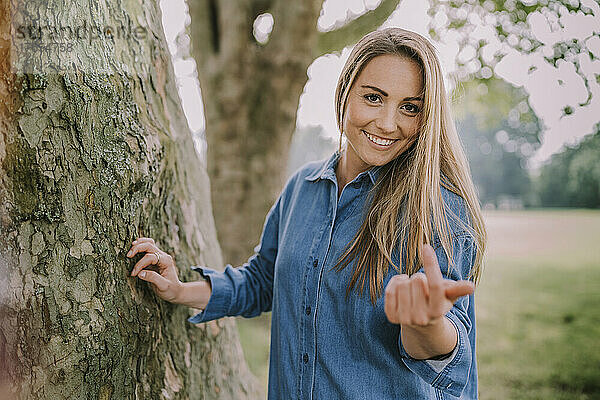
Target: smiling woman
391	89
382	117
394	209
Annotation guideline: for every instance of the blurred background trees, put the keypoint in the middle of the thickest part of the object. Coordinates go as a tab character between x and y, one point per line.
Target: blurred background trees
499	131
572	177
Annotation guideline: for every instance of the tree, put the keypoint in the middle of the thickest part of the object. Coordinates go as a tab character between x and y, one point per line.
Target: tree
572	177
561	32
95	151
500	132
510	22
251	92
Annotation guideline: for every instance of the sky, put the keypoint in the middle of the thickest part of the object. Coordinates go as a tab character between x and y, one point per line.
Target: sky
550	89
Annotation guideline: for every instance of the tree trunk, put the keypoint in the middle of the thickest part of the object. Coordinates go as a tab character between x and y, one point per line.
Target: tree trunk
251	93
91	157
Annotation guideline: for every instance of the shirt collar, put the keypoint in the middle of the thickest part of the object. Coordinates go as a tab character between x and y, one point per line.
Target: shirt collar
327	170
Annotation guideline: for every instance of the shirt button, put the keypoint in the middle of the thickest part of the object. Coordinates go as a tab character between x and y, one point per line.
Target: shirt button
316	263
305	358
308	310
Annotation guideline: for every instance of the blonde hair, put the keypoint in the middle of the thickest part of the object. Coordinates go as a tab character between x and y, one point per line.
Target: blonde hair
405	204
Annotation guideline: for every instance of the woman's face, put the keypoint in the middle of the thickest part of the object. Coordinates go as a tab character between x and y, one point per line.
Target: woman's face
383	113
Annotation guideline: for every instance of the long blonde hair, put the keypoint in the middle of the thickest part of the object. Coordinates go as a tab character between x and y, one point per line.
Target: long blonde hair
406	207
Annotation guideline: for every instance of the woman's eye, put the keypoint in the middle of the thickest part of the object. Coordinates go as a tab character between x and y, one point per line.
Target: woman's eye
410	108
372	98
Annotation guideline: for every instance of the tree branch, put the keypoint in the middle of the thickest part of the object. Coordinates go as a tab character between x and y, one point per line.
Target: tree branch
352	31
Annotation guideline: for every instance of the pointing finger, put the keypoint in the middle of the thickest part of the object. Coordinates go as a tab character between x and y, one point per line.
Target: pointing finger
432	269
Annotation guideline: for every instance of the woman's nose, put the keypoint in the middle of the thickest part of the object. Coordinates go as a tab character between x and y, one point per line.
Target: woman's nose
386	120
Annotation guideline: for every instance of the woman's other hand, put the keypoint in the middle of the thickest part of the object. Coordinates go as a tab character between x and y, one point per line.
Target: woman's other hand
424	298
165	282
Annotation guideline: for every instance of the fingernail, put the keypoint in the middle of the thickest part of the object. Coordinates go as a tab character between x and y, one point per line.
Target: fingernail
129	254
142	274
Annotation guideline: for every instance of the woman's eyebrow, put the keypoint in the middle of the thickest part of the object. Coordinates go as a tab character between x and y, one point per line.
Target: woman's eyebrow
376	89
417	98
414	98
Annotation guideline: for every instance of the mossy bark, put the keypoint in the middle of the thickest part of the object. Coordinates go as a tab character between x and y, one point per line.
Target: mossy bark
91	158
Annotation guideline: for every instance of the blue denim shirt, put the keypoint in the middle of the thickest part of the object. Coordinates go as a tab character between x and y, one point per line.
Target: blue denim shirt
324	346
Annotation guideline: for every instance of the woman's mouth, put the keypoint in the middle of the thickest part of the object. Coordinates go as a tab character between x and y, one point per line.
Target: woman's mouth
379	141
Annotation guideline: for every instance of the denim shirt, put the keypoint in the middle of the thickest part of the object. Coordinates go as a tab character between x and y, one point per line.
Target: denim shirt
324	345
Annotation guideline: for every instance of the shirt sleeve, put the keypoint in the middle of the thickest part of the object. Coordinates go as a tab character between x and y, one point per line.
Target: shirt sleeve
451	375
247	290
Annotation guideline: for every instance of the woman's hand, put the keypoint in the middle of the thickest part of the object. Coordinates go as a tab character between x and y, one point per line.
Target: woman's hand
419	304
166	283
424	298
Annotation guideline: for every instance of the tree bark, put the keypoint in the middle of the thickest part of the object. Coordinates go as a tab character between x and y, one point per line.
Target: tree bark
251	93
91	157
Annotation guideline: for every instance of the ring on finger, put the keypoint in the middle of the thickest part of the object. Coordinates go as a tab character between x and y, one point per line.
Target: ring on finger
157	258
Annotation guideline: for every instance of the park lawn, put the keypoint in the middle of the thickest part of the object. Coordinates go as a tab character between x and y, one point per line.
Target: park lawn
538	308
255	336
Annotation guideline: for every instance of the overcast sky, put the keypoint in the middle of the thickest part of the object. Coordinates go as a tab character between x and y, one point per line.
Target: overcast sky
550	88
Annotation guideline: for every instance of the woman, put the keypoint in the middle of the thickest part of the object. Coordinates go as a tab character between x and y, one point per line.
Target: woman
380	213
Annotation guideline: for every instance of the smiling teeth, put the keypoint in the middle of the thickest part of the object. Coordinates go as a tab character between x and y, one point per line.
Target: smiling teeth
382	142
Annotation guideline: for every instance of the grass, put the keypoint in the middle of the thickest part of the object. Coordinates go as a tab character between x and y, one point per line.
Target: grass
538	308
255	335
